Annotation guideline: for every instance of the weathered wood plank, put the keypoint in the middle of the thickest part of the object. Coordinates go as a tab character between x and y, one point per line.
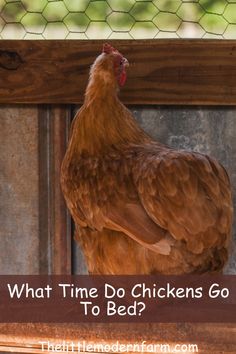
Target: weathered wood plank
210	338
178	72
54	221
19	241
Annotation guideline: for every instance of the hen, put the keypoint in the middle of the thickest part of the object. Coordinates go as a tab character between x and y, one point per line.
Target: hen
140	207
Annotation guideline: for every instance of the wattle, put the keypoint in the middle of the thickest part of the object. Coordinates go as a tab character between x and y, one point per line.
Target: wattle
122	78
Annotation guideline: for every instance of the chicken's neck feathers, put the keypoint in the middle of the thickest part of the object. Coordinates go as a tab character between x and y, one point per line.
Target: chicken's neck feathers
103	122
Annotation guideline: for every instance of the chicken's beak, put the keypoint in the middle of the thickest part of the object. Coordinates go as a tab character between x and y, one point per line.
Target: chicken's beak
126	63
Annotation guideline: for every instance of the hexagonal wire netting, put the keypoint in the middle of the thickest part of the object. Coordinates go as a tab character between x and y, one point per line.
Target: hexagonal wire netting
126	19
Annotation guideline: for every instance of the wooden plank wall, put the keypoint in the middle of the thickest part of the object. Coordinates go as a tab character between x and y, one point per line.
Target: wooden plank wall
180	72
19	175
54	219
210	338
35	233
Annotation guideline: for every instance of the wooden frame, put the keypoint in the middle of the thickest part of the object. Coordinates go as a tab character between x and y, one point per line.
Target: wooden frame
54	219
181	72
211	338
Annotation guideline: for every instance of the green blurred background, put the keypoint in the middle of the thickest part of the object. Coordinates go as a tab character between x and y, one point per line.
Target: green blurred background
125	19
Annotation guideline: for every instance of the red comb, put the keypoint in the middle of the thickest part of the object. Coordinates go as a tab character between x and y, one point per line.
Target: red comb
107	48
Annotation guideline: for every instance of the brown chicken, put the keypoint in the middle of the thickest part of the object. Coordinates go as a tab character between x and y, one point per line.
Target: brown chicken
140	207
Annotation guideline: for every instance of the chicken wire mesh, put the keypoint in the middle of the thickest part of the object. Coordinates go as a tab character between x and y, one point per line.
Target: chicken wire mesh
114	19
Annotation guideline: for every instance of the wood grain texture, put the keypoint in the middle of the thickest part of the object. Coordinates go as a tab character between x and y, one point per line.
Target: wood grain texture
181	72
19	243
210	338
54	220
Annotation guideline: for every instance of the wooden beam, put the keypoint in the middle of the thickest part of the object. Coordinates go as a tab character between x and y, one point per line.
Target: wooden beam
181	72
210	338
54	220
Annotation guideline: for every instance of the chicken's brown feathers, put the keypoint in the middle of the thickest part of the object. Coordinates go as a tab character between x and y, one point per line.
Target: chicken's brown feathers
164	211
